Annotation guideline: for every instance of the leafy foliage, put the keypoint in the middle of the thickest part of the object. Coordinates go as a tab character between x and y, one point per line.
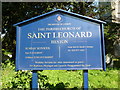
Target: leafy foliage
103	79
112	36
12	79
7	75
69	79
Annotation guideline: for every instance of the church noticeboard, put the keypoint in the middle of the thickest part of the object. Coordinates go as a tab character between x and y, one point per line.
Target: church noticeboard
60	40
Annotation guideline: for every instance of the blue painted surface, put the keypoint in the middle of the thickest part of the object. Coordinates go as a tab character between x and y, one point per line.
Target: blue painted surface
34	80
85	79
55	49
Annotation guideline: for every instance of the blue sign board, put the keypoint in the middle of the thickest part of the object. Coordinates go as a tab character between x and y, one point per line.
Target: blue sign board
60	40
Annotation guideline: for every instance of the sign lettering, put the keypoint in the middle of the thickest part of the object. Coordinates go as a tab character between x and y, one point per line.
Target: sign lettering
60	41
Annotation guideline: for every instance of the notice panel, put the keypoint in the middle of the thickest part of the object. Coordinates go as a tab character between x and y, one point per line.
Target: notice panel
59	42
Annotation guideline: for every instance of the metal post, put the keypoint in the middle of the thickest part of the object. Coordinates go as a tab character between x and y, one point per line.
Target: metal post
85	79
34	80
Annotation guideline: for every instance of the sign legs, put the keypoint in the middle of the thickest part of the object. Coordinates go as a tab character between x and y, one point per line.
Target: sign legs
85	79
34	80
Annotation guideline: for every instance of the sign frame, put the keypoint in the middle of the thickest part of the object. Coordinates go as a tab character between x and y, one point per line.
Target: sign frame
34	19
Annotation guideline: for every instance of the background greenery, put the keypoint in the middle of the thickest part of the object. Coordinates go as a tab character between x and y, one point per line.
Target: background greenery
14	12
